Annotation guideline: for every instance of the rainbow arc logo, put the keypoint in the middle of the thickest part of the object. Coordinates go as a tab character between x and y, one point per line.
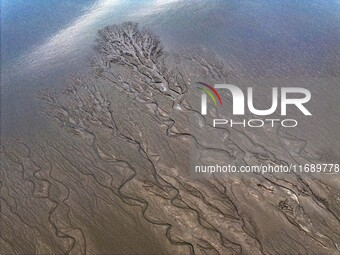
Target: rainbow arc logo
212	93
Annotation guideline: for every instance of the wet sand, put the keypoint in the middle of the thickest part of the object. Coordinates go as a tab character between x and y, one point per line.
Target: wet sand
110	174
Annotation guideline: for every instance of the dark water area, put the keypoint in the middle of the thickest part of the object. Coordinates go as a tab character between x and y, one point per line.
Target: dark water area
26	23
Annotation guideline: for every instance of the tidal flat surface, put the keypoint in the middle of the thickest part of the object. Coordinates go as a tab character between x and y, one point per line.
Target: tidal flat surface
96	160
